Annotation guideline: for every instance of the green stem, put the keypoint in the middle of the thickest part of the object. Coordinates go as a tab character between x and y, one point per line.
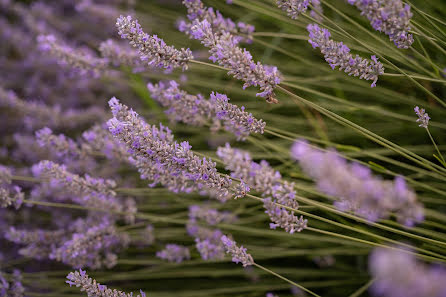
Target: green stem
285	279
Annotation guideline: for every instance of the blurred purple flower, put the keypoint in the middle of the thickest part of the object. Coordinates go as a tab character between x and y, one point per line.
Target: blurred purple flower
423	117
356	188
174	253
389	16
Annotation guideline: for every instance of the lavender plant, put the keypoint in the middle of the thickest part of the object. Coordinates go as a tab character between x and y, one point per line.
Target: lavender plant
73	186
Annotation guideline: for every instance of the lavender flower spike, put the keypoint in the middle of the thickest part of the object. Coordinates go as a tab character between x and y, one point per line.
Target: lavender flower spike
239	254
338	54
224	50
174	253
152	48
197	11
357	189
423	117
75	183
94	289
76	59
197	111
159	158
415	280
293	8
389	16
14	197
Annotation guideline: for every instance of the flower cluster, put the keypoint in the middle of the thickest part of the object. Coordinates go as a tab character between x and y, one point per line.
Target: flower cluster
84	62
210	215
415	279
151	48
293	8
355	186
14	287
174	253
9	194
423	117
85	243
225	51
197	111
197	11
337	54
121	55
88	285
389	16
160	159
263	178
39	114
239	254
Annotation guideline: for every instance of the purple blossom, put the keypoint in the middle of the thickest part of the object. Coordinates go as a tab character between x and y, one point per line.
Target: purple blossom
197	111
13	288
389	16
210	215
174	253
414	280
5	175
293	8
88	285
87	185
338	54
160	159
84	62
197	11
423	117
317	10
38	244
62	145
263	178
151	48
121	55
239	254
224	50
98	139
356	188
38	114
92	246
13	196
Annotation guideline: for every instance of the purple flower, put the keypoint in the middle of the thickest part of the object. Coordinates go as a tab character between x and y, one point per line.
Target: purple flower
293	8
197	11
14	197
121	55
356	188
389	16
263	178
151	48
224	50
174	253
239	254
197	111
84	62
14	287
210	215
81	280
399	274
92	246
338	54
160	159
423	117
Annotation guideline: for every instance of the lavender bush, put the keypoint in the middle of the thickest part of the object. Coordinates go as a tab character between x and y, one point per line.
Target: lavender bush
189	184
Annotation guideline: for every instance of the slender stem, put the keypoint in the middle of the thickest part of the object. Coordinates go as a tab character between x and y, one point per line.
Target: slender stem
209	64
362	289
285	279
435	145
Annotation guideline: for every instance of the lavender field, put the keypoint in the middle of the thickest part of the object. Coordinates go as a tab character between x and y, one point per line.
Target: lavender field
198	148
